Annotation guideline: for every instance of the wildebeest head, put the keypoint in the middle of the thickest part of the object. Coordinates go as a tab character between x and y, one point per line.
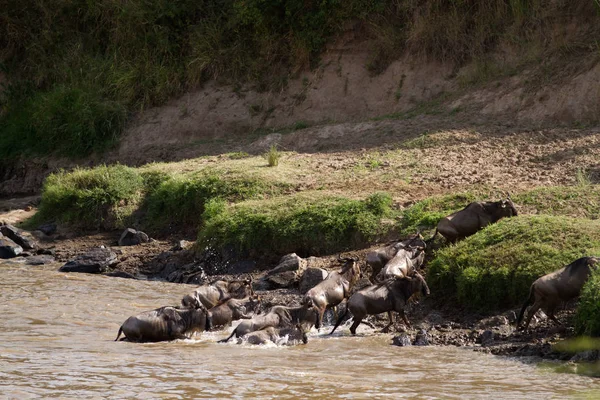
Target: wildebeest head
418	286
351	269
240	288
506	208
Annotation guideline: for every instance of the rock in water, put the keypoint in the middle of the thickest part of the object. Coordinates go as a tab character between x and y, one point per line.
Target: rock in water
16	235
48	229
311	277
401	340
94	261
422	338
486	338
131	237
8	248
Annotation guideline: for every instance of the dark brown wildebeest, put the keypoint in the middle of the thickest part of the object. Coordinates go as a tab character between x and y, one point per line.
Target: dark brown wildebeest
377	259
285	336
388	296
334	289
278	317
165	323
552	289
216	292
474	217
405	263
233	309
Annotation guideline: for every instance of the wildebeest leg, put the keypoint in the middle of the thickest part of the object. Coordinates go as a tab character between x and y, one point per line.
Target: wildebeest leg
387	327
335	313
530	313
355	323
403	315
321	312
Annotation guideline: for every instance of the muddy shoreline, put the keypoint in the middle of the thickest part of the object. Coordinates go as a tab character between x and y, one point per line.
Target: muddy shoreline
435	321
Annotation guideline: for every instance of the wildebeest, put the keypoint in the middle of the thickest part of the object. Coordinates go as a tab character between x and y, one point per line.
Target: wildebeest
165	323
334	289
377	259
233	309
276	335
212	294
474	217
405	263
390	295
278	317
556	287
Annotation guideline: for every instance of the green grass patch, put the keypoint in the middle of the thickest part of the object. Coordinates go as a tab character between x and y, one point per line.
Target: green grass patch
99	197
587	319
180	200
494	268
302	225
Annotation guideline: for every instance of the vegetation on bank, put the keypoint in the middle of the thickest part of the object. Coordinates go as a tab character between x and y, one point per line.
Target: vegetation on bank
76	70
587	319
493	269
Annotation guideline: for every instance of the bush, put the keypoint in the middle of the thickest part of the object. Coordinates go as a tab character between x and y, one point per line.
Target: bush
180	200
98	197
272	156
494	268
587	319
304	226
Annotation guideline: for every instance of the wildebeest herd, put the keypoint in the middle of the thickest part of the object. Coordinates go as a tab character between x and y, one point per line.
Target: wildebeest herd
395	279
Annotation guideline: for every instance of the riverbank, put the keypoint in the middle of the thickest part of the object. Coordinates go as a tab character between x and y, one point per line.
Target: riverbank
434	321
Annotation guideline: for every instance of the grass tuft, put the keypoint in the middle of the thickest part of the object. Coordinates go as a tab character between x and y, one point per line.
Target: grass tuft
272	156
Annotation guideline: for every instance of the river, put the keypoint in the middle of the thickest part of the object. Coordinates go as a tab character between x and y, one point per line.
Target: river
57	335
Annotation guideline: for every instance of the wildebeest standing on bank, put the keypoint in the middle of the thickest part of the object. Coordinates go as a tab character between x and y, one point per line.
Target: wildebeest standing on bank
278	317
233	309
165	323
378	258
390	295
474	217
556	287
334	289
212	294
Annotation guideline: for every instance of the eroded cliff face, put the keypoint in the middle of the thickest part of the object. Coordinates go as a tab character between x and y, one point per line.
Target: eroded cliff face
340	97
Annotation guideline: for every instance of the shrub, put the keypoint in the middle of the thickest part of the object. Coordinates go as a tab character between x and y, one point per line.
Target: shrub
304	226
180	200
272	156
587	319
100	196
494	268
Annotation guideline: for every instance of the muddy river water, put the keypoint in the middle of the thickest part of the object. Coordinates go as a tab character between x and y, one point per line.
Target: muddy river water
57	333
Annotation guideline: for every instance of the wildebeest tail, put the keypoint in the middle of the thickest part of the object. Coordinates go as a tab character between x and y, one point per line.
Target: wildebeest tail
339	321
527	302
230	336
120	331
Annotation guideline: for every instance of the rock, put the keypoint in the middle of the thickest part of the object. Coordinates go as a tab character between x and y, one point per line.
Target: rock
289	262
311	277
48	229
281	280
486	338
49	252
182	245
8	248
401	340
434	318
120	274
491	322
586	356
131	237
95	261
41	259
241	267
422	339
188	273
17	236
